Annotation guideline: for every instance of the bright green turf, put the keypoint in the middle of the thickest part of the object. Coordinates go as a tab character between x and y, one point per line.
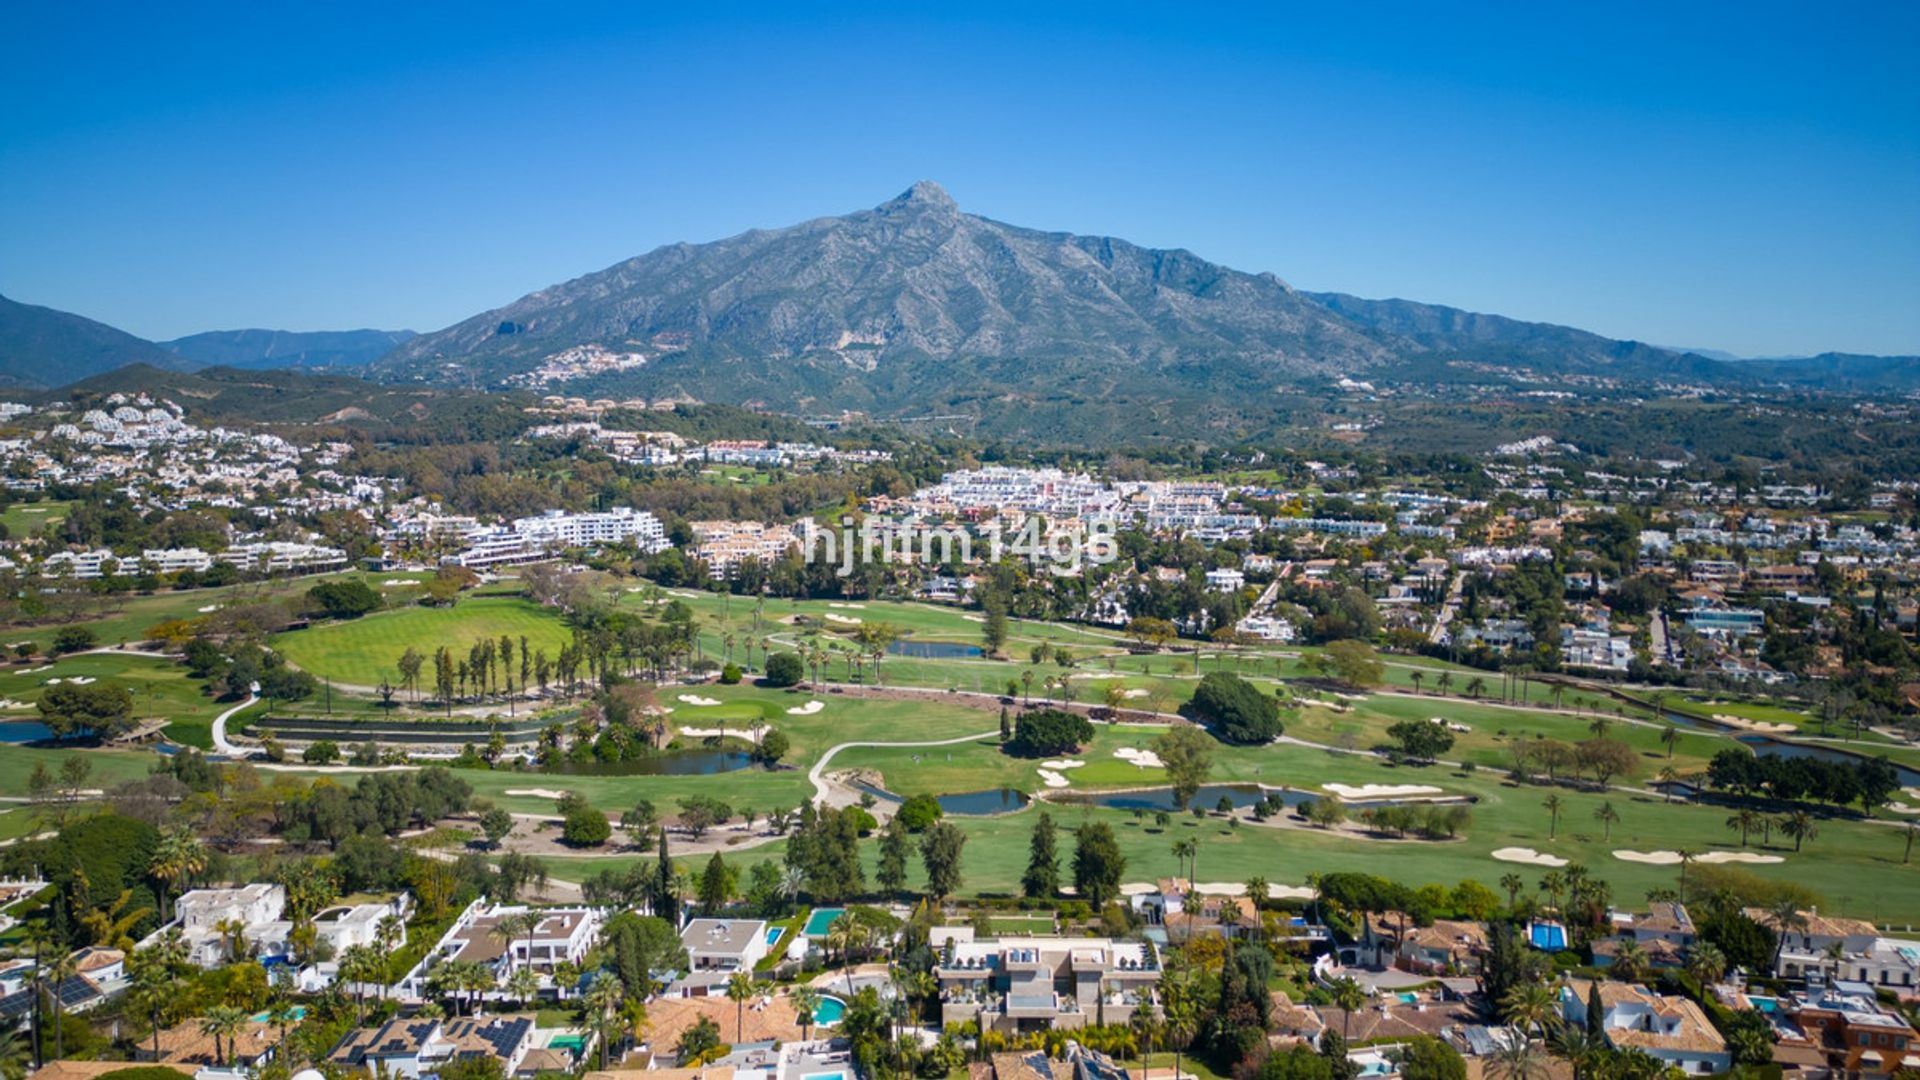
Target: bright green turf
364	651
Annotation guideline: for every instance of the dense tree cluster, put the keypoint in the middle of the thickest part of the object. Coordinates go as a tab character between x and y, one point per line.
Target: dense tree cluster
1235	710
1867	781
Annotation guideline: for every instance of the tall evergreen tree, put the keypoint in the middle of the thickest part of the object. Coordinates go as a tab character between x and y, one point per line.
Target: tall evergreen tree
892	872
1042	879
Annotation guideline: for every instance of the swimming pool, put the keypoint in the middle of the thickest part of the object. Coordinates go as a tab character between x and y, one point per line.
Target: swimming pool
299	1013
1764	1004
824	1076
829	1011
820	920
569	1042
773	936
1408	996
1550	936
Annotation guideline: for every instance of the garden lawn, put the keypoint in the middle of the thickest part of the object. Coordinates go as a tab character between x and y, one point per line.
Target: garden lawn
364	651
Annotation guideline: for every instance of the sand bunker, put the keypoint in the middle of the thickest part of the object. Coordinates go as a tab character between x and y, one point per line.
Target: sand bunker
1755	725
1134	692
696	699
854	607
808	709
9	703
394	583
721	733
1529	856
535	793
1379	791
1672	858
974	618
1053	779
1223	888
1146	759
204	608
1064	763
844	620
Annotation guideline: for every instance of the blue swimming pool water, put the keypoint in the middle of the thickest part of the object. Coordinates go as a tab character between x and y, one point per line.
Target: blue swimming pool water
820	920
773	935
829	1011
1764	1004
1409	997
1549	936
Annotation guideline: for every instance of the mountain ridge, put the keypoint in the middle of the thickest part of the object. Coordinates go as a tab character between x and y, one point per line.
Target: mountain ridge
42	347
307	349
915	302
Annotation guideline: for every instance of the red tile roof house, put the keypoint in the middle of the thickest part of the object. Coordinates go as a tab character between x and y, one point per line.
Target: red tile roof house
1394	939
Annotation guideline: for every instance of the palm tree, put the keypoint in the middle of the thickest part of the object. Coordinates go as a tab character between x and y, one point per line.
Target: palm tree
512	925
1668	777
1513	883
1553	883
233	937
1532	1007
1349	996
740	990
1444	682
1476	686
1744	822
1706	963
1580	1048
1670	738
602	1006
62	969
1418	677
1608	817
1518	1059
1553	805
16	1054
806	1003
524	984
1784	916
177	859
155	987
1799	825
1630	962
224	1023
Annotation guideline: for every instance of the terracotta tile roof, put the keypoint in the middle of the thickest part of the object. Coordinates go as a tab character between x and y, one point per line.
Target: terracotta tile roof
1818	925
183	1044
669	1018
87	1070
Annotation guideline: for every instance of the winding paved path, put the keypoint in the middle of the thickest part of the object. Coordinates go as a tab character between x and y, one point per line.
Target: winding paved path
823	790
220	742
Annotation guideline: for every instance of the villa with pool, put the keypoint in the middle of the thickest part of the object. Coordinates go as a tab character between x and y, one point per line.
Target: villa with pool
1042	983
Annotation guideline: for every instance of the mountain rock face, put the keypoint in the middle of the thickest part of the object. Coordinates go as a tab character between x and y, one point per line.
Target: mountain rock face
321	349
41	347
849	307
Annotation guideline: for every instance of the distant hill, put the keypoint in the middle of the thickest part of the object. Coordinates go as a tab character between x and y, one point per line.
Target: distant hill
894	307
916	307
318	349
41	346
289	398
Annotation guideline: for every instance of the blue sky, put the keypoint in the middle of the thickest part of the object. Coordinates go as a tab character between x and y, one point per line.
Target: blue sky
1734	176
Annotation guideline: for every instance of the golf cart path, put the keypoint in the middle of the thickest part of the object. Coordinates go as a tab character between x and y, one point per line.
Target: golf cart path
822	790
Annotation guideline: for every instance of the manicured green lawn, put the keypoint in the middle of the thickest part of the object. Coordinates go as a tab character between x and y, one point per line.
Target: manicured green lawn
25	519
364	651
160	688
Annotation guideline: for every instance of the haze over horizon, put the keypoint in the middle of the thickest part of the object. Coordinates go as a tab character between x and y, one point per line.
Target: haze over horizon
1684	179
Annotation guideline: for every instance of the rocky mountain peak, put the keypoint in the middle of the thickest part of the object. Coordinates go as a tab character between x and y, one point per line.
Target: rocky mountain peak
927	194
